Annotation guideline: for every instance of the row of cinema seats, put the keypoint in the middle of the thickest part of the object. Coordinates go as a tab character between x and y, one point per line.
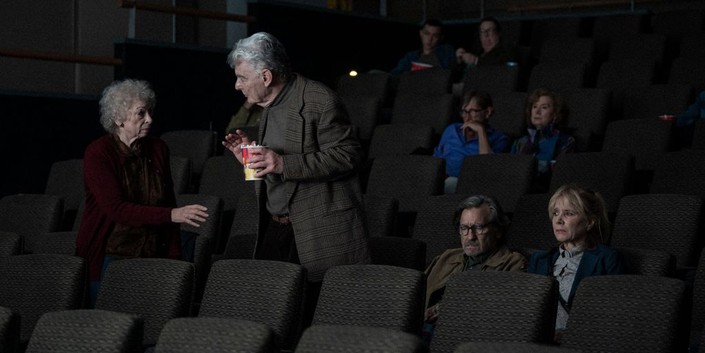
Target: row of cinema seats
590	108
398	187
221	176
147	302
609	67
638	37
646	219
256	306
410	223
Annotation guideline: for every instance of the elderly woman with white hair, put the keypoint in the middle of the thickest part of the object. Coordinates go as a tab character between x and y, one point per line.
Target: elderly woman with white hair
130	206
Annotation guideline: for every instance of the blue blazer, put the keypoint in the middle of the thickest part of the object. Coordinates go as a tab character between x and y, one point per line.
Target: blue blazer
601	260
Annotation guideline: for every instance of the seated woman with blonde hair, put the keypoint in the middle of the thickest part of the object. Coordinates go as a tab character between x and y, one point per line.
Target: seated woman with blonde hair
581	226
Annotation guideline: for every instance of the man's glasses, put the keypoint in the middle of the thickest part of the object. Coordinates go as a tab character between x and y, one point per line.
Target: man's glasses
477	229
488	32
464	112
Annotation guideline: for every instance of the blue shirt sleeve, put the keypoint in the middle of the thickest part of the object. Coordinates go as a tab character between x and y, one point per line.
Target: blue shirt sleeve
695	111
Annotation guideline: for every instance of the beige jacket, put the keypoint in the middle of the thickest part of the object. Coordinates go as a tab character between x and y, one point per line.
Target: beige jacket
451	261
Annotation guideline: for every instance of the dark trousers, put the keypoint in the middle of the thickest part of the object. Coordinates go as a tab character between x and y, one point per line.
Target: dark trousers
279	244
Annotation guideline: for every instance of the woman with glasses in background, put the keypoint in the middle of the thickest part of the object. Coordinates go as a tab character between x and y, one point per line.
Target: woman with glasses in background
470	137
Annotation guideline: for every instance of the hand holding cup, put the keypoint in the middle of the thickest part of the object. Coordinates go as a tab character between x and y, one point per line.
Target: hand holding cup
249	155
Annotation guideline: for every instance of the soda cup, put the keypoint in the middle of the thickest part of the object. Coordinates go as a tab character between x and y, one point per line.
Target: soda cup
247	152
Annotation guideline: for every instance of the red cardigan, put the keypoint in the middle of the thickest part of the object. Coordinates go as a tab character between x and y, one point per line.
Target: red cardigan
105	204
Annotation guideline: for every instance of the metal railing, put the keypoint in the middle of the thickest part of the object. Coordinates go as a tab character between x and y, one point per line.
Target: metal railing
186	11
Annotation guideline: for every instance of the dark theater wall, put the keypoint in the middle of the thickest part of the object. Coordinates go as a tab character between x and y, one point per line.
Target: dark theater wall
324	44
195	87
36	130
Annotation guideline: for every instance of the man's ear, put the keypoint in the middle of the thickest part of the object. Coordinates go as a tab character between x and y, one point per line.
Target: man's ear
267	77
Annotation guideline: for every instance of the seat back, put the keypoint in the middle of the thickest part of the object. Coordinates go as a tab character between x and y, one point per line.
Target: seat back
65	180
669	222
402	138
558	76
620	76
599	308
496	306
374	84
157	289
263	291
223	176
181	174
508	115
34	284
589	113
243	230
398	251
364	112
609	173
679	173
434	224
688	71
431	81
56	243
210	228
645	139
530	228
215	335
436	110
9	330
200	244
84	330
494	79
697	312
372	295
605	28
650	262
698	142
10	244
381	213
30	215
346	338
408	178
658	99
196	145
501	175
678	22
690	46
566	50
515	347
551	28
636	47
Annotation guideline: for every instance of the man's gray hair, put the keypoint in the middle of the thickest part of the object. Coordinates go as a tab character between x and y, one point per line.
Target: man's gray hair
263	51
497	215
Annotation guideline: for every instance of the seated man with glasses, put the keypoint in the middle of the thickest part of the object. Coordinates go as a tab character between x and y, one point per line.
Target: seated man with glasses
481	224
470	137
494	50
